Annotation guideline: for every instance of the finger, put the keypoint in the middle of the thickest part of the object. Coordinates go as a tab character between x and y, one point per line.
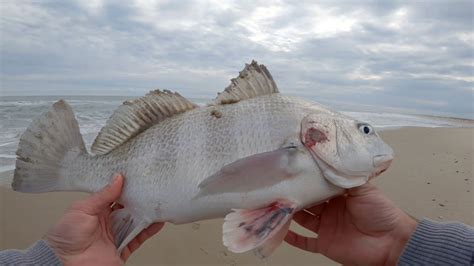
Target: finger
133	245
317	210
153	229
101	200
141	238
310	218
125	254
305	243
308	221
362	190
148	232
128	250
116	206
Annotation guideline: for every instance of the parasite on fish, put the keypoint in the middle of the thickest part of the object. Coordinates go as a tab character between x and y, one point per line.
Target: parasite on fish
216	114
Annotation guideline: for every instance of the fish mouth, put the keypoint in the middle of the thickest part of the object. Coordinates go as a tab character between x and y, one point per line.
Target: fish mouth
340	178
382	163
379	172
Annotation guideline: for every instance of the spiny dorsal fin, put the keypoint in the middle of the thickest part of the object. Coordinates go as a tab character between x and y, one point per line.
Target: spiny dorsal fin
135	116
254	80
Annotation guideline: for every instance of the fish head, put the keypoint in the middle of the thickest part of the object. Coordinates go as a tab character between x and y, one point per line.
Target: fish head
347	151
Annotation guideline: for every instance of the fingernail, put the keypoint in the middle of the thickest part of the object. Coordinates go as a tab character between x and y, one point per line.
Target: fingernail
116	176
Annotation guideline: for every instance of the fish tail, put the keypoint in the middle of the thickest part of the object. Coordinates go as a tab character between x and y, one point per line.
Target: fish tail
51	140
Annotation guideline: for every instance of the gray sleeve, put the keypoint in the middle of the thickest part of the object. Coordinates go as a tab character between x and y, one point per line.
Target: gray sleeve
38	254
435	243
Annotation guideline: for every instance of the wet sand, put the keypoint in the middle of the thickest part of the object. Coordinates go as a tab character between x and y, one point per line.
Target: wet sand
432	176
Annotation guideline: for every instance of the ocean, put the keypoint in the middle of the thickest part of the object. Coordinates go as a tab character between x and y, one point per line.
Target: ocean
16	113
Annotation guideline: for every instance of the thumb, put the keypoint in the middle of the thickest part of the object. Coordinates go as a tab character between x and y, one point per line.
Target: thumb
363	190
97	202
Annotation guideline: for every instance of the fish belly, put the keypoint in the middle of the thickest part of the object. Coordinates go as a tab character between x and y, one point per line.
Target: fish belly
306	189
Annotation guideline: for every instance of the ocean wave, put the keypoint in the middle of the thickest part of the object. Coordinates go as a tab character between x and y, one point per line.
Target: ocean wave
6	168
23	103
7	156
8	143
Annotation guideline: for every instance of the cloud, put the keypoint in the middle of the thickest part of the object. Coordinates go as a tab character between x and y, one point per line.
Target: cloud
93	7
401	55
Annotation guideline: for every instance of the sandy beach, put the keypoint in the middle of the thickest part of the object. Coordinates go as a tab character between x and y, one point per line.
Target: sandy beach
432	176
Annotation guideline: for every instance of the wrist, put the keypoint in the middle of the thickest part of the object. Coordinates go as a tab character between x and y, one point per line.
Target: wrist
88	259
71	256
402	233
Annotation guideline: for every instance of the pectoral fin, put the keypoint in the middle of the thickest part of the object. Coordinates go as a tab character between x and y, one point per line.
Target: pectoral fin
253	172
245	230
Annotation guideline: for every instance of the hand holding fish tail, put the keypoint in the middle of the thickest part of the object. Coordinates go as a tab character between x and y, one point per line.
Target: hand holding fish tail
362	227
83	235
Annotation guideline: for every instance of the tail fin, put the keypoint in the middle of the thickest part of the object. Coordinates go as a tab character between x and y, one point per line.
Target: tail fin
42	148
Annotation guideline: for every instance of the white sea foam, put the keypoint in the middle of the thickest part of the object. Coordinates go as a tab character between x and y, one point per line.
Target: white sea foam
7	168
23	103
8	143
7	156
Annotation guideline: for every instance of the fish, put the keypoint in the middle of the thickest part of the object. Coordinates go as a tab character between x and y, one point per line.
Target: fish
253	156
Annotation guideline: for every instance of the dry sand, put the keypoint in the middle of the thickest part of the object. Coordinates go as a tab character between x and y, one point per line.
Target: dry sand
430	177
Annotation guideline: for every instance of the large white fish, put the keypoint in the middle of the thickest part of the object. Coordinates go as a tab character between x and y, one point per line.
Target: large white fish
253	155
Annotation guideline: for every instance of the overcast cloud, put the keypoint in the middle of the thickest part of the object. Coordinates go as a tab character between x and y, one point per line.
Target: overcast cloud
403	55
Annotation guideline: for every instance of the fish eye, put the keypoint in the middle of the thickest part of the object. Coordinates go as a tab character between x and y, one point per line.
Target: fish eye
366	129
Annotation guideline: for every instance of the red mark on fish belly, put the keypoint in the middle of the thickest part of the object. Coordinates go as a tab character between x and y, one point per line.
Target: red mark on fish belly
314	136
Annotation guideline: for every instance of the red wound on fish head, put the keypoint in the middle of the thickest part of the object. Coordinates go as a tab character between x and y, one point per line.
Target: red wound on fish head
313	136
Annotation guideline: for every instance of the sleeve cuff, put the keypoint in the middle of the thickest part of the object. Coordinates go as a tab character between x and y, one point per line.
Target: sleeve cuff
37	254
436	243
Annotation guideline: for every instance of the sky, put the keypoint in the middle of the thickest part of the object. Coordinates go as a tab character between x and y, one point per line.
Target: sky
412	56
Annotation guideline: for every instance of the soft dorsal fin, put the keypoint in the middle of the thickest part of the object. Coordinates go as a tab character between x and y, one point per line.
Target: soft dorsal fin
254	80
135	116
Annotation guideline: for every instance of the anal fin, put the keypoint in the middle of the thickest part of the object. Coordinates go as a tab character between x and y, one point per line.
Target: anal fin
245	230
125	227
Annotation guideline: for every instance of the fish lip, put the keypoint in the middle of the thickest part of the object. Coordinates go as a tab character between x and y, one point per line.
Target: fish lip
382	161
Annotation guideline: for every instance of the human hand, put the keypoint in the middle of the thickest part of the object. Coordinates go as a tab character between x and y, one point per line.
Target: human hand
360	228
83	235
